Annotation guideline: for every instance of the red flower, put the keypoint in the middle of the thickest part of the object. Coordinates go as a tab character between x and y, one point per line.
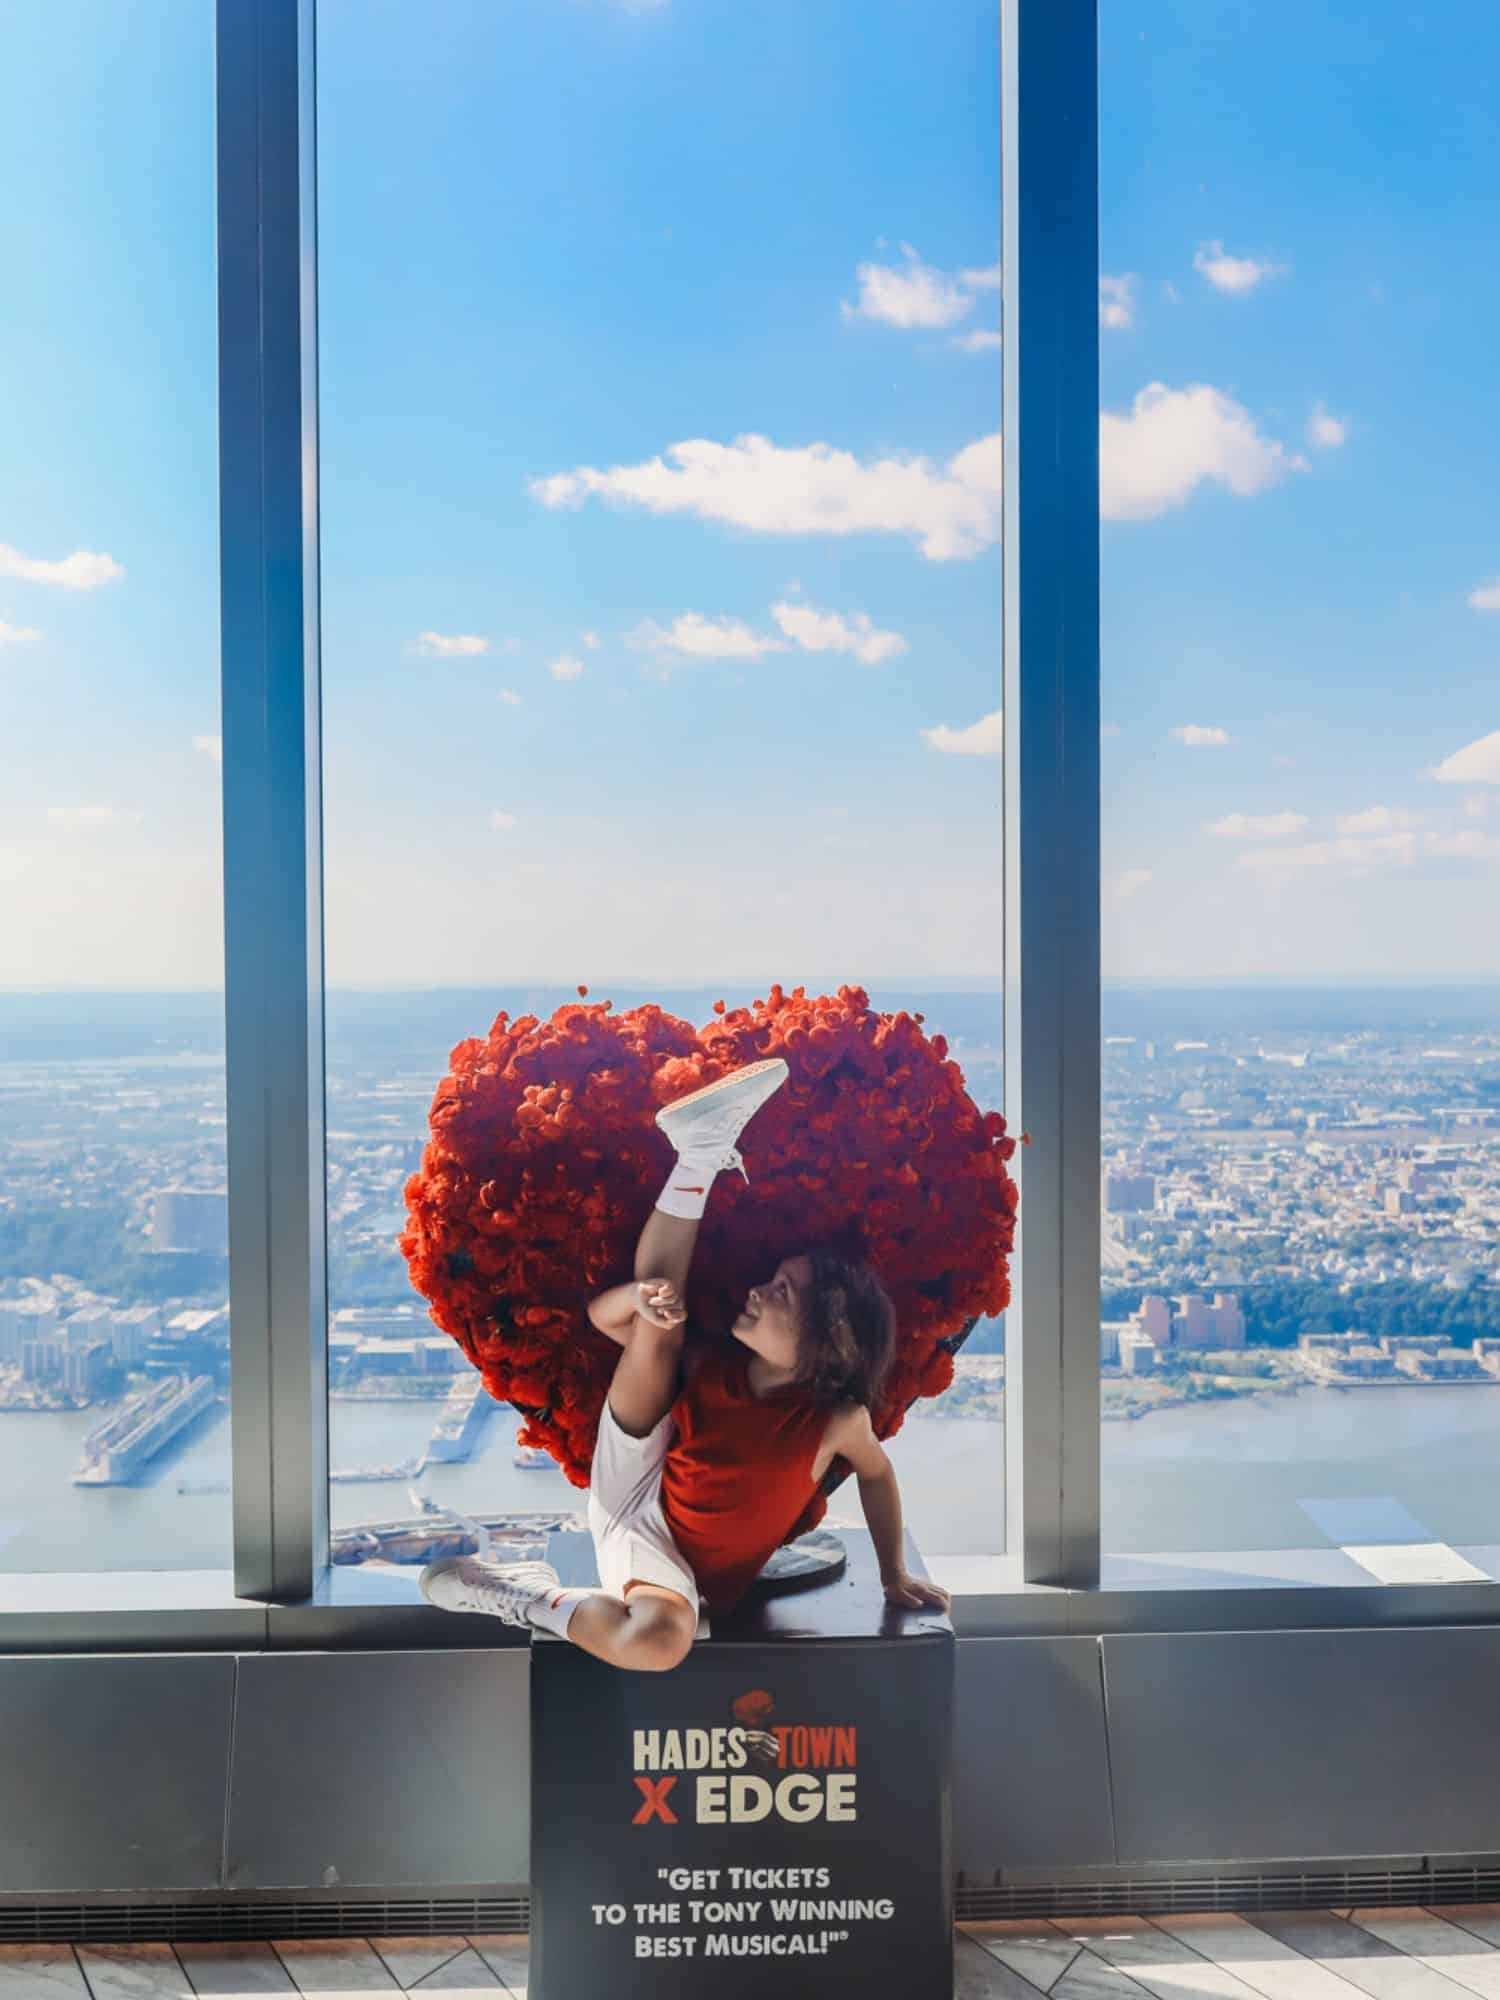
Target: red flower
544	1162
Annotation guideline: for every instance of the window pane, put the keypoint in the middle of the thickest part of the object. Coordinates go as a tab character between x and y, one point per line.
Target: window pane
114	1319
661	601
1302	840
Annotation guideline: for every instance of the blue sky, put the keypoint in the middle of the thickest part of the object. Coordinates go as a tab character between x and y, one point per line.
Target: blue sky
601	706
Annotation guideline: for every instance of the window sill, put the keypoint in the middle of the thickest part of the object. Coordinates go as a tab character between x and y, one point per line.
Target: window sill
360	1607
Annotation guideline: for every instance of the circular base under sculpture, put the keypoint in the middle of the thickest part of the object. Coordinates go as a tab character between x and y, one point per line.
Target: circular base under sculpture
816	1557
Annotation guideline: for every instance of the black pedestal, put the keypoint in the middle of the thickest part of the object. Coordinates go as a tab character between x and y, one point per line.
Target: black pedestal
772	1816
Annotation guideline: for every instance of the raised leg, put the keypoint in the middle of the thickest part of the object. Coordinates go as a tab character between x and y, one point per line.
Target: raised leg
646	1377
665	1249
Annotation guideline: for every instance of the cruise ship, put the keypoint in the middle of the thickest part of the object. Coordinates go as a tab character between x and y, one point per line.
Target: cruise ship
456	1435
115	1451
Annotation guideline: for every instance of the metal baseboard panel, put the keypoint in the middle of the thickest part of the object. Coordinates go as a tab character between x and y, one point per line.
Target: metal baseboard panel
220	1922
1363	1885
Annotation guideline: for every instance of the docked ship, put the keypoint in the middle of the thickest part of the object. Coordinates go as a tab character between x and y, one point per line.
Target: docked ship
427	1532
409	1468
458	1430
115	1451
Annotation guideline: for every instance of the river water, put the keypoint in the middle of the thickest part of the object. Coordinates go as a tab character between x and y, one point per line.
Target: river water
1302	1471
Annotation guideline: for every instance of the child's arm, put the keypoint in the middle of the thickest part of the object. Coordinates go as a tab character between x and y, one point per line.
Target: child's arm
854	1439
653	1299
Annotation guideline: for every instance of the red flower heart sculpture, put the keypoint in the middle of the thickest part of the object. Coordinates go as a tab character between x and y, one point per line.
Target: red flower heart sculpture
545	1160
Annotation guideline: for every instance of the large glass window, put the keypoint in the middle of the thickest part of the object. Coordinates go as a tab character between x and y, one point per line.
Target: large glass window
1301	606
114	1320
661	603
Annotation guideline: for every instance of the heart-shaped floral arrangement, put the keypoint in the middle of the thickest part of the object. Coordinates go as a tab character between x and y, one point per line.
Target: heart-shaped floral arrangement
545	1161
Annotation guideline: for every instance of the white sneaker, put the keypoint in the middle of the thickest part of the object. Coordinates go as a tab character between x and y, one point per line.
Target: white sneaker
469	1583
704	1125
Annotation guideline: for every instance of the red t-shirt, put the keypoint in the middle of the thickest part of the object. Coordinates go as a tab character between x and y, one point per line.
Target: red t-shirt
737	1481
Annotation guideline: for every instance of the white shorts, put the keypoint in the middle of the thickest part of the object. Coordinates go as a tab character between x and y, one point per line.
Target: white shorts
632	1542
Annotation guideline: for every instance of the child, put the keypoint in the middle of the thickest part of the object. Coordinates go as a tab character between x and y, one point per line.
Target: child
708	1454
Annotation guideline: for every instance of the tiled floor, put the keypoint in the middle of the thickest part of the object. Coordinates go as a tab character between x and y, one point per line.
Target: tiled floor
1386	1954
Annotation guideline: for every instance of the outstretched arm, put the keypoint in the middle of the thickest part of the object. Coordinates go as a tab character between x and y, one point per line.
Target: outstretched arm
881	1499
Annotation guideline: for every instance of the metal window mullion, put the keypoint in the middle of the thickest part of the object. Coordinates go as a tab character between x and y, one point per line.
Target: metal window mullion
271	795
1050	260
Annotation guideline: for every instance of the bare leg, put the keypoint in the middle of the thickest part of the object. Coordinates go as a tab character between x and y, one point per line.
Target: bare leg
646	1377
653	1629
665	1249
651	1632
647	1374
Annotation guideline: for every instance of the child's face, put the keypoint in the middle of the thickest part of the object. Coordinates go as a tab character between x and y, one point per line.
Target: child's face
769	1323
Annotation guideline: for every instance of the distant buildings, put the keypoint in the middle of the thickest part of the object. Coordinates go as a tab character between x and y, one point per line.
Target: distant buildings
77	1353
1138	1351
389	1340
190	1219
1198	1324
1127	1193
1353	1357
1157	1326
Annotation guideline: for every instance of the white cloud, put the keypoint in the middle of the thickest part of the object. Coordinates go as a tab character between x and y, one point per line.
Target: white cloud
591	640
1199	736
693	637
1172	440
1233	274
1378	819
833	632
83	819
509	697
1350	851
1252	826
950	511
909	294
1478	763
1485	596
85	569
1325	431
914	294
1467	844
502	822
17	635
1477	806
1130	881
449	646
211	746
1362	853
984	738
1117	301
566	667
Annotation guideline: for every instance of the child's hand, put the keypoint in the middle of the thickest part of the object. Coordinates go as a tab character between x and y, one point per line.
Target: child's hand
913	1592
659	1304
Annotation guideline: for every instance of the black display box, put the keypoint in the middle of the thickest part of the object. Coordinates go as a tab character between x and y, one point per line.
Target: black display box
774	1815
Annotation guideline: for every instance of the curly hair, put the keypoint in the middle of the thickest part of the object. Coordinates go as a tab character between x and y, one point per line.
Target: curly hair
846	1328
